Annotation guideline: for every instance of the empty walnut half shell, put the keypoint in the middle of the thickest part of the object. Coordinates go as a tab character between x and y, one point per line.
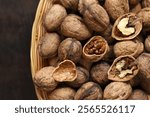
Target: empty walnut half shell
65	71
95	49
124	68
89	91
127	27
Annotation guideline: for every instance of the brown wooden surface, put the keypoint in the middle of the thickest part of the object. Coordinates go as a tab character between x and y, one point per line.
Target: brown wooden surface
16	19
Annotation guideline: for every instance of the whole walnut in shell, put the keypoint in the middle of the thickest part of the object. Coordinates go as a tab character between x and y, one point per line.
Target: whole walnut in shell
43	79
73	27
138	94
82	77
54	17
144	72
96	18
64	93
48	45
136	8
69	4
84	4
116	8
130	47
99	73
71	49
89	91
117	91
145	3
144	14
147	44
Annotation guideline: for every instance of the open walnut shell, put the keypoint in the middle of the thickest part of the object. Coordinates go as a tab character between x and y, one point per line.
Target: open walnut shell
127	27
95	49
124	68
65	71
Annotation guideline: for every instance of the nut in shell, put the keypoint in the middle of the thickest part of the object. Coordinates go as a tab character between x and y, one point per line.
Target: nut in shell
70	4
84	4
63	93
127	27
145	3
43	79
65	71
117	91
129	47
144	14
71	49
48	45
96	18
144	71
54	17
116	8
138	94
147	44
99	73
89	91
124	68
82	77
95	49
73	27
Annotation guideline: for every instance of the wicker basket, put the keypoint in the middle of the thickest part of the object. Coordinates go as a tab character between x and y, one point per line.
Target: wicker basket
37	31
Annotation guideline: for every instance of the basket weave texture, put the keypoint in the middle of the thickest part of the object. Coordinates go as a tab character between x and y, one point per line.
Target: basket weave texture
37	31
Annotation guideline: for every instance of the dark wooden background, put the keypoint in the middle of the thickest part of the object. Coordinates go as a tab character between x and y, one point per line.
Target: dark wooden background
16	19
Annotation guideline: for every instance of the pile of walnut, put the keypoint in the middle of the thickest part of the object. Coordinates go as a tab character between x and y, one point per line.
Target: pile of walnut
97	49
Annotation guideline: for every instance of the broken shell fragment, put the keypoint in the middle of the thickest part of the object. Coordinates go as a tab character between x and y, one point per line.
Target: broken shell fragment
127	27
124	68
95	49
66	71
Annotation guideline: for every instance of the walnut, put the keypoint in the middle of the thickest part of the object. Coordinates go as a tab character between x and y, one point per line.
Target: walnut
124	68
54	17
147	44
84	4
70	4
53	61
116	8
43	79
145	3
73	27
99	73
127	27
71	49
64	93
48	45
96	18
82	77
136	8
134	2
130	47
95	49
89	91
65	71
138	94
144	14
144	72
134	82
117	91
